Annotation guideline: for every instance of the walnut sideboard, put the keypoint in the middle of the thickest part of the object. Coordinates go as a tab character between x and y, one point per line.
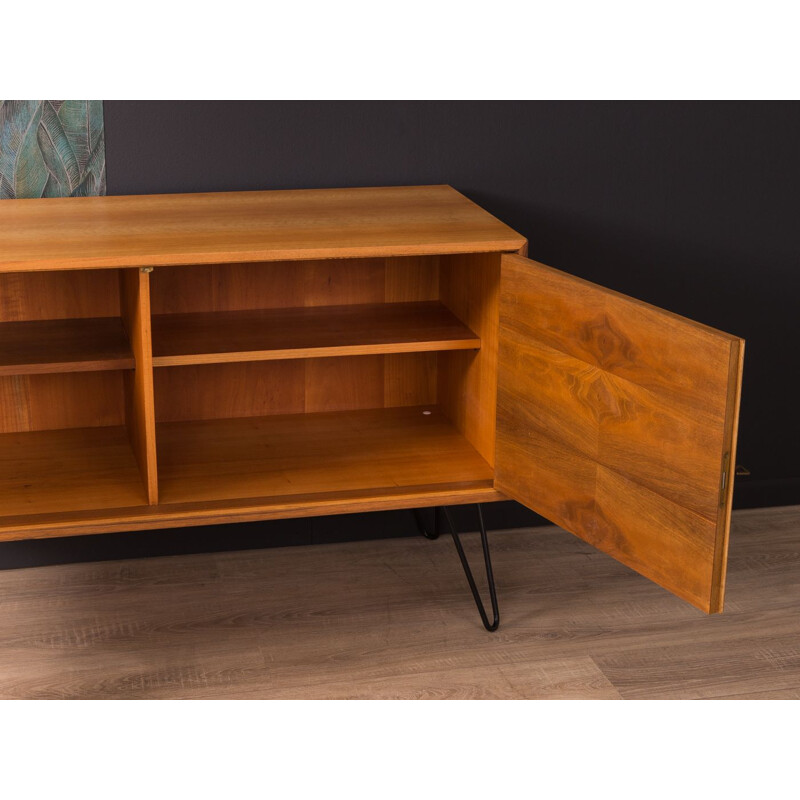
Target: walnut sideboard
178	360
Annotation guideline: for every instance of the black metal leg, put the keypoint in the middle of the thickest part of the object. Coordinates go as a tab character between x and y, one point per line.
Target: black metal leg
438	513
423	529
493	625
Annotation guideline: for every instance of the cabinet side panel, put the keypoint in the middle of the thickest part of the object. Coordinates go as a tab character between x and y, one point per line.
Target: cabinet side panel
469	286
139	399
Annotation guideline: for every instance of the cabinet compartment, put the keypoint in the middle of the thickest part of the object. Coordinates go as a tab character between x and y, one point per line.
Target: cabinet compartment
61	322
324	377
298	386
356	382
329	454
306	426
67	428
271	311
64	445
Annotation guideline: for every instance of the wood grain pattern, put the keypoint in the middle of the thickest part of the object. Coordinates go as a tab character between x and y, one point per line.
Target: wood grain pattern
139	397
176	290
292	284
79	469
54	322
613	421
470	287
409	379
14	404
730	436
260	388
255	391
275	334
228	287
290	623
335	282
154	230
217	391
347	383
411	279
78	294
182	515
64	345
61	400
312	454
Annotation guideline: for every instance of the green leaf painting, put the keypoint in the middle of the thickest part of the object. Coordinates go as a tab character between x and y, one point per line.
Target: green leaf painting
52	148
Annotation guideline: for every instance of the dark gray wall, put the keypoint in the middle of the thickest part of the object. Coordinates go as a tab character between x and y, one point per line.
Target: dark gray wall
691	206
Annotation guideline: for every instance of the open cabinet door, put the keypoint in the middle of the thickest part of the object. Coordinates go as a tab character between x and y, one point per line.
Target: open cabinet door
617	421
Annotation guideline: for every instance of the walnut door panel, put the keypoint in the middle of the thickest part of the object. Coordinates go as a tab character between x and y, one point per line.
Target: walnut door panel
617	421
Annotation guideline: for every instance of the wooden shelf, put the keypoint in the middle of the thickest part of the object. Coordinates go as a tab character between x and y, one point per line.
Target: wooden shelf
329	455
43	472
64	345
285	333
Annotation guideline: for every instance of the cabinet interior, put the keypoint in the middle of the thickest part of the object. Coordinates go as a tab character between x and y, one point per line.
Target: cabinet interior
65	366
263	380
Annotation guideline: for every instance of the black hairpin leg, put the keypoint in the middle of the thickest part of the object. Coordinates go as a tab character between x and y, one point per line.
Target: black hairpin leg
490	626
428	533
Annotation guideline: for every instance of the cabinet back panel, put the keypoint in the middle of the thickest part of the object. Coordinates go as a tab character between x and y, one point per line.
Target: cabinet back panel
470	288
292	284
59	295
413	278
263	388
61	400
409	379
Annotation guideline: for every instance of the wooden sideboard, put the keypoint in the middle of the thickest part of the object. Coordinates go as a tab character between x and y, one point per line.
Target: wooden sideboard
178	360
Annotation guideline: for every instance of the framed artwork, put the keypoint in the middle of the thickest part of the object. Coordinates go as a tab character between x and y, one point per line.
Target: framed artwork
52	148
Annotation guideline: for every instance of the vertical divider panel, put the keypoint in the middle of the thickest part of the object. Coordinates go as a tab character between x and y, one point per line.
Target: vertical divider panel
139	396
470	287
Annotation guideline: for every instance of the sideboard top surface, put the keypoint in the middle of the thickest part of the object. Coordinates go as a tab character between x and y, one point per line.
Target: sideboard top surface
161	230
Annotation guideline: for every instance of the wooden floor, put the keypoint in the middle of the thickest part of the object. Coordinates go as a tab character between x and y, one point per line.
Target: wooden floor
394	619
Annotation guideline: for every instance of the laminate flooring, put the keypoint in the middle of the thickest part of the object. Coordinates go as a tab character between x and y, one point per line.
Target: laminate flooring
394	619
